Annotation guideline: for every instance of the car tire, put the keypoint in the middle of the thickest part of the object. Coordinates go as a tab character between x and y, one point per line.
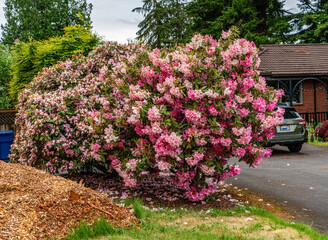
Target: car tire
295	148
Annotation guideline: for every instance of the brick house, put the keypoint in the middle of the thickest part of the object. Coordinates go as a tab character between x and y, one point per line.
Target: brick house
301	70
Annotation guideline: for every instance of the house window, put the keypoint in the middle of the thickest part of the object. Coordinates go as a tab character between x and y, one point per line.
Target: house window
297	94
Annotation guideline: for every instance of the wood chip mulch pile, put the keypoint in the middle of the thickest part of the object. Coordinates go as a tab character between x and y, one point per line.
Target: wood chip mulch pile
38	205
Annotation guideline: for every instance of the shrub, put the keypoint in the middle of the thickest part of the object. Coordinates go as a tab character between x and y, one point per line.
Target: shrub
322	131
5	77
181	113
31	57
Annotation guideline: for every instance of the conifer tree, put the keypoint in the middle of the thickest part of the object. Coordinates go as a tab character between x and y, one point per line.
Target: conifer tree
312	21
260	21
165	22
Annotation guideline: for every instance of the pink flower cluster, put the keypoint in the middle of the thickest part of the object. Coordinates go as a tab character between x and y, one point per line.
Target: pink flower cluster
182	113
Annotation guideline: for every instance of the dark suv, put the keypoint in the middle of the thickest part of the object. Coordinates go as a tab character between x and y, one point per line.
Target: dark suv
292	132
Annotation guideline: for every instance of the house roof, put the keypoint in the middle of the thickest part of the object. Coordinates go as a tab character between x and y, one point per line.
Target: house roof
284	60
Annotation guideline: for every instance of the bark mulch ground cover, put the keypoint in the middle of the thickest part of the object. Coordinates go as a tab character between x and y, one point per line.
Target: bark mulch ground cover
38	205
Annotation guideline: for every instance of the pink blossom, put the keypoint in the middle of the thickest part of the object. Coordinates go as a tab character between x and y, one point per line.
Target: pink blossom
225	35
264	152
200	141
239	152
206	170
259	104
195	94
243	112
279	112
164	166
95	147
154	114
191	161
132	164
234	170
244	140
225	141
192	115
257	162
174	140
130	182
212	110
156	128
175	91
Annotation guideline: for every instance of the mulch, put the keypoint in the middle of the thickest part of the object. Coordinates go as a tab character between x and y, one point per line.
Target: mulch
37	205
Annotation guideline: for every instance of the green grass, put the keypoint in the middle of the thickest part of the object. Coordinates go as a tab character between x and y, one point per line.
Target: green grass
317	143
242	223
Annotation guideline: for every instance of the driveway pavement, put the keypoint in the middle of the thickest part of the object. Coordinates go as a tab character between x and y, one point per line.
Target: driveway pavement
298	181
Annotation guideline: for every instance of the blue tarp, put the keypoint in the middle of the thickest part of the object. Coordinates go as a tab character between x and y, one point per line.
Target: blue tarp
6	139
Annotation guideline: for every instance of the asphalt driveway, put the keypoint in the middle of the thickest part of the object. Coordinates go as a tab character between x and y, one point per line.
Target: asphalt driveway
297	180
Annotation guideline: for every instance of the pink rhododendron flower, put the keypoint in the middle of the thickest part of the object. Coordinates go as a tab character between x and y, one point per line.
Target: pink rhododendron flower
195	94
234	170
239	152
213	111
156	128
206	170
259	104
154	114
164	166
225	142
174	140
132	164
95	147
257	162
193	115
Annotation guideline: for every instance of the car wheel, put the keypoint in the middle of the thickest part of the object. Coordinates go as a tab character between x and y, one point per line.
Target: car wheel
295	148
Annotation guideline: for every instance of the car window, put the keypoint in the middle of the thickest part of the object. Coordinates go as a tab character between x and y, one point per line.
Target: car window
291	114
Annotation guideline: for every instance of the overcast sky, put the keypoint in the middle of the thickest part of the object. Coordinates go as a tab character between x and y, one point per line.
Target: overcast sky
114	19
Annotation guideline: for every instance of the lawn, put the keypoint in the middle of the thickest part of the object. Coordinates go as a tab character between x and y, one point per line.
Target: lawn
244	222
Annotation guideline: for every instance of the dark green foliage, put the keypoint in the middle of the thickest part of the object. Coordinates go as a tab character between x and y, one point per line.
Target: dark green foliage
166	22
176	21
30	57
38	20
203	14
5	77
259	21
312	22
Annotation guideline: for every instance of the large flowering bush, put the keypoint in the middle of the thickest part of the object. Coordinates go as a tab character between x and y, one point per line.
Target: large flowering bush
182	112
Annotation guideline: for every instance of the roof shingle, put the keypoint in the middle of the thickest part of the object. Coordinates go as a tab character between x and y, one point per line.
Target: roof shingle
294	60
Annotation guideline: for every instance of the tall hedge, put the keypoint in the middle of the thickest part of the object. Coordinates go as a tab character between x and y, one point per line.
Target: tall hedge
31	57
5	61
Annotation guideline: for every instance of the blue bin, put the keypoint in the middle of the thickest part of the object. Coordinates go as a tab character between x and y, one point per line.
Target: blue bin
6	139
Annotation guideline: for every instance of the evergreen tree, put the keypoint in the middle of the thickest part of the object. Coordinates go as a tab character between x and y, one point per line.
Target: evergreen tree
41	19
165	22
203	14
260	21
312	21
